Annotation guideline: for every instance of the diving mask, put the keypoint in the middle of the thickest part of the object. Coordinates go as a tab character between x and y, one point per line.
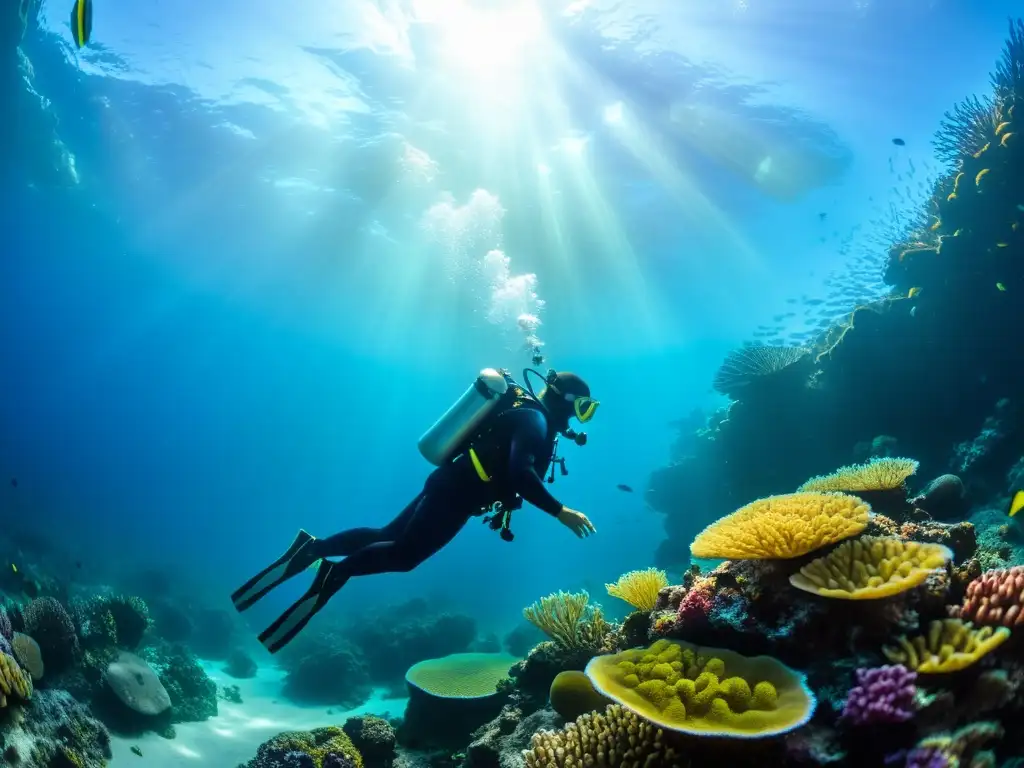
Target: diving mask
583	406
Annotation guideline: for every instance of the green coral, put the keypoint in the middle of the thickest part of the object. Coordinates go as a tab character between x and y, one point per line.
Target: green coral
318	744
569	620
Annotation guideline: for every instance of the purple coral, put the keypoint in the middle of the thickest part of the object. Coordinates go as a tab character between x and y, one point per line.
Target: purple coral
927	757
882	695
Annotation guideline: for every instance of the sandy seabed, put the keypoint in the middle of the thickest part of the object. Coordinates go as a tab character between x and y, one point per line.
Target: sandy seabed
233	736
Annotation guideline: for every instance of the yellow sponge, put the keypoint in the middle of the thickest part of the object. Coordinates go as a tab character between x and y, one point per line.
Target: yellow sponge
880	474
705	691
13	680
783	527
639	588
949	646
871	567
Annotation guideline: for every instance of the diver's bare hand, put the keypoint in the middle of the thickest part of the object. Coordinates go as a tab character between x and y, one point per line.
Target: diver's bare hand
576	522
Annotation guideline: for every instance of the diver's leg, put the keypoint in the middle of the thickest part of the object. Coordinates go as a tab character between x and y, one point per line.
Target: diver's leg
306	550
434	522
354	539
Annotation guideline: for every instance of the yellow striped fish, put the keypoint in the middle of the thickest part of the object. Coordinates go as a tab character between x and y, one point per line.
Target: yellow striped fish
81	22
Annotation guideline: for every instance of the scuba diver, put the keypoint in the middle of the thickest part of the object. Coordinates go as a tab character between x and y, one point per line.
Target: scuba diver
492	449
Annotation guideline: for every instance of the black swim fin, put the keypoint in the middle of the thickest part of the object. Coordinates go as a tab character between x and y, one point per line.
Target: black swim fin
328	581
295	560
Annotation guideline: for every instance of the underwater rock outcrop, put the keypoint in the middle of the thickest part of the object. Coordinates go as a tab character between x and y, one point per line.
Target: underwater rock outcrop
927	366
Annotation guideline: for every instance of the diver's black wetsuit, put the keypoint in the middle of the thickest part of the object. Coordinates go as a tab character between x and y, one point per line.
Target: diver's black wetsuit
451	496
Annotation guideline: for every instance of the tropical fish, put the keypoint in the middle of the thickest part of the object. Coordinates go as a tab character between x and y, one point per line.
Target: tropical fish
625	488
1000	286
81	22
913	292
1016	504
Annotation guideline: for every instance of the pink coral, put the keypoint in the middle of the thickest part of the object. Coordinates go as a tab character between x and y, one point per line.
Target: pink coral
697	604
882	695
996	597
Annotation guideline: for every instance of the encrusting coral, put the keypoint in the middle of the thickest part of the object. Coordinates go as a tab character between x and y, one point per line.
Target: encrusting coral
569	620
639	588
783	527
996	597
705	691
949	646
572	694
871	567
880	474
612	739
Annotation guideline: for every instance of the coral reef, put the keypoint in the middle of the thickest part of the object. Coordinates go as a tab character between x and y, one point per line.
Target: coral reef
950	645
569	620
996	597
572	694
319	748
374	738
324	669
56	732
639	588
48	622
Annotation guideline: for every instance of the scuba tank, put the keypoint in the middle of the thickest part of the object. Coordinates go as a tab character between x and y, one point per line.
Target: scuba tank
459	422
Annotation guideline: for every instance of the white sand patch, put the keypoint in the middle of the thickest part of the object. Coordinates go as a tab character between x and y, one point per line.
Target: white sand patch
234	735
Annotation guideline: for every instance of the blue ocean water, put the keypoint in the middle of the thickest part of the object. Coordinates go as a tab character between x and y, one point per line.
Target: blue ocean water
234	323
253	250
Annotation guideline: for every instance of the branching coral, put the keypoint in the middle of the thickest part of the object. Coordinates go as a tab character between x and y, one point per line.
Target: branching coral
882	695
569	620
639	588
996	597
783	527
705	691
609	740
950	750
871	567
880	474
965	130
949	646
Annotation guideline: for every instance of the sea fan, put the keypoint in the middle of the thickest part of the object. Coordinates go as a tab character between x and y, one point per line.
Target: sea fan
1008	77
965	130
757	362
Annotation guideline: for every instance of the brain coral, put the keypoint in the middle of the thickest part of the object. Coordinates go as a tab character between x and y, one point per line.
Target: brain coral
871	567
461	675
705	691
949	646
996	597
614	739
880	474
13	680
26	651
782	527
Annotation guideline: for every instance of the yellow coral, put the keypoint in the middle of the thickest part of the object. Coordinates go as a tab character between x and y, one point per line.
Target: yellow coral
721	693
613	739
879	474
782	527
13	680
572	694
568	619
871	567
639	588
949	646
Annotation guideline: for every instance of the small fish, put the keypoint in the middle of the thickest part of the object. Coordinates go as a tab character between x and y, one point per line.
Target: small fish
899	142
1000	286
1016	504
81	22
136	751
823	215
624	488
14	567
913	292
